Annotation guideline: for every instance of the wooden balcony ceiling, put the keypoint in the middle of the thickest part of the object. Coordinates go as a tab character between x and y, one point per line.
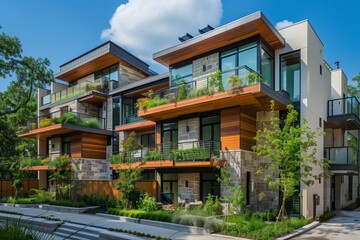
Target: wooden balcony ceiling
137	126
254	24
61	128
344	121
93	99
255	98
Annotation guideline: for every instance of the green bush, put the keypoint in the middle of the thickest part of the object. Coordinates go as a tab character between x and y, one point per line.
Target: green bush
89	122
198	153
156	101
15	230
45	122
213	207
43	196
104	202
158	215
152	156
69	118
115	159
68	203
326	216
21	200
213	225
182	91
30	162
147	203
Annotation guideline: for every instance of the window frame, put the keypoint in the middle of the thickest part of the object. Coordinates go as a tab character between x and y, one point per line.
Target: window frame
280	73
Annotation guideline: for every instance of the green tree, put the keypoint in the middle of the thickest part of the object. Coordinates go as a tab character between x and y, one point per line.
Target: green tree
62	175
18	102
355	90
292	149
130	174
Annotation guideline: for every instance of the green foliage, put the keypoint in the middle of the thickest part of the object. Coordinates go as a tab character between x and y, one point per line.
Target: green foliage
28	162
198	153
354	90
291	147
68	203
352	206
18	185
153	156
15	230
115	159
215	82
69	118
43	196
158	215
239	200
148	236
104	202
62	175
20	200
326	216
213	207
199	92
45	122
253	78
141	103
89	122
234	82
183	88
157	101
213	225
147	203
130	175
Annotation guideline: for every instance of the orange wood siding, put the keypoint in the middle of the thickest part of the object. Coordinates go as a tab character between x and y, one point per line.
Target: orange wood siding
76	145
93	146
7	189
247	130
158	133
230	128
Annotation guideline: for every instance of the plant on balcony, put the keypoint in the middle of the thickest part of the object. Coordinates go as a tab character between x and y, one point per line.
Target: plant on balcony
69	118
199	92
234	82
152	156
56	120
45	161
89	122
91	86
142	103
291	147
115	159
157	101
28	162
215	82
183	88
191	154
45	122
253	78
33	126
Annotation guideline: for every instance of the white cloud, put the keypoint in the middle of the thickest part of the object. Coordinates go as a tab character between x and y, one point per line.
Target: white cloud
283	24
147	26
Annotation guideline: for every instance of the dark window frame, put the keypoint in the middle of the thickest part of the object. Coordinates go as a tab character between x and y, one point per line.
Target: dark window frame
280	73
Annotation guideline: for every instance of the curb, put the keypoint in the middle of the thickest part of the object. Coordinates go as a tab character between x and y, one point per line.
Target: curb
300	231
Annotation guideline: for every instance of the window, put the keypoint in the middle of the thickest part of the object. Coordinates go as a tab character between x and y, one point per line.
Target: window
290	75
170	134
267	66
109	73
129	110
238	61
180	74
148	175
66	145
116	112
209	185
148	139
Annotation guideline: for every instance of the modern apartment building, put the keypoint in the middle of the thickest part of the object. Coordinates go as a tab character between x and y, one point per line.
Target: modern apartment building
191	124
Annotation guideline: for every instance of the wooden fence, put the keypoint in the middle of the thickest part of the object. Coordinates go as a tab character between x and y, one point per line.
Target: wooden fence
7	189
106	187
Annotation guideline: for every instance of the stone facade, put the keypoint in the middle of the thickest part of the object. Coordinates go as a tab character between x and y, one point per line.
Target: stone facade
205	65
188	187
128	75
189	130
92	169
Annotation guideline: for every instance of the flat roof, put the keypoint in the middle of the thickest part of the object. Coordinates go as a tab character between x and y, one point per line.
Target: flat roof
251	25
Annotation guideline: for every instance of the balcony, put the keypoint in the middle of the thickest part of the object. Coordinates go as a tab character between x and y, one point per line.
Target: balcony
185	154
132	119
62	122
39	162
90	92
344	113
205	94
342	158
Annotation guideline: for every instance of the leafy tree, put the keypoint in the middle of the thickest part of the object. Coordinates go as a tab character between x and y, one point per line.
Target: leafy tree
355	90
62	175
130	174
292	149
18	102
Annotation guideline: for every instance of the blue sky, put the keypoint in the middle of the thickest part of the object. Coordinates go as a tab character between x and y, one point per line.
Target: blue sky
62	30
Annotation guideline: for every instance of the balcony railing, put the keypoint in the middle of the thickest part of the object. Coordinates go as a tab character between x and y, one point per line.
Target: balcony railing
39	160
65	117
201	86
132	119
342	155
343	106
74	91
179	152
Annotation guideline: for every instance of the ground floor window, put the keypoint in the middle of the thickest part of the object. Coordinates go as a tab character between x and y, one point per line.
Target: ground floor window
209	185
169	188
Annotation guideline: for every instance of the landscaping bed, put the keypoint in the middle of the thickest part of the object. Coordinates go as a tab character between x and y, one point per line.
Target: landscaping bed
58	208
352	206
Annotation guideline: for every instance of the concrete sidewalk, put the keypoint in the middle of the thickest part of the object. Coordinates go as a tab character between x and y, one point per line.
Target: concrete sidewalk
106	223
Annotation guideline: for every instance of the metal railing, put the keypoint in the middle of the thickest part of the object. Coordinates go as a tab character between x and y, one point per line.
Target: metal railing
66	117
342	155
342	106
74	91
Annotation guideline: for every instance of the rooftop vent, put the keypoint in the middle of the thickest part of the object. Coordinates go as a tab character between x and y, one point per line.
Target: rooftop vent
185	37
337	65
206	29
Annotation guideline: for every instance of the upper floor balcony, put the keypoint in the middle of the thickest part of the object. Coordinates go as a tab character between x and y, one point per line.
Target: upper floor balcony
241	86
61	122
90	92
344	113
342	158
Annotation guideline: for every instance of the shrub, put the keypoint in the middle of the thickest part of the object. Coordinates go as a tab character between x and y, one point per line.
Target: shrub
104	202
153	156
43	196
45	161
142	103
45	122
33	126
69	118
147	203
30	162
326	216
115	159
199	221
234	81
186	220
56	120
215	82
14	229
157	101
253	78
158	215
89	122
212	225
212	207
182	91
68	203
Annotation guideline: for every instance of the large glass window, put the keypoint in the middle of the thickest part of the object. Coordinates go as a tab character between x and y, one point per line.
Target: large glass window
129	111
66	145
290	75
181	74
116	112
148	140
111	74
267	63
170	135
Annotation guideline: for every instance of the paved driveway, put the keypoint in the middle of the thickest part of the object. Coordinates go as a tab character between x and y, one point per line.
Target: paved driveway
346	225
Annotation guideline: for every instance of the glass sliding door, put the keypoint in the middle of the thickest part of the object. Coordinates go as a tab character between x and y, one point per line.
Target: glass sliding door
290	75
169	136
267	66
210	133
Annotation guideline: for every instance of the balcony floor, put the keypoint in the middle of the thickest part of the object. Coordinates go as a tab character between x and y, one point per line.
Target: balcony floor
255	97
137	126
344	121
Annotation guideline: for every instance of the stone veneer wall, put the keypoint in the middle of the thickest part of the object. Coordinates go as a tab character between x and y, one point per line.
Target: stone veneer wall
194	130
203	67
192	192
92	169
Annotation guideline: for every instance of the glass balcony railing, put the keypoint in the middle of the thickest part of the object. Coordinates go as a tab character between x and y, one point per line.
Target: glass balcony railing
74	91
39	160
343	106
342	155
65	117
132	119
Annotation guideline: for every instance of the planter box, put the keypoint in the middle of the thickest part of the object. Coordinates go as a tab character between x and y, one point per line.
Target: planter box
66	209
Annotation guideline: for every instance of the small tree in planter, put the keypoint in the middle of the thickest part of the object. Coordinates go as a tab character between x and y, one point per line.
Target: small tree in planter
292	149
62	175
130	175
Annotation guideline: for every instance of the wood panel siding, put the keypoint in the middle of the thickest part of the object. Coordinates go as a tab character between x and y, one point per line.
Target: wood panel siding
137	126
158	133
76	145
247	129
93	146
230	128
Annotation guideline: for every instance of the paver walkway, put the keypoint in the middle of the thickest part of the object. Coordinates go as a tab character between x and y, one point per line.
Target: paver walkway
346	225
101	222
